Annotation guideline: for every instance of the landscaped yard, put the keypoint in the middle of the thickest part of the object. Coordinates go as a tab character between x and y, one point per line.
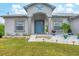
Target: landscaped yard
20	47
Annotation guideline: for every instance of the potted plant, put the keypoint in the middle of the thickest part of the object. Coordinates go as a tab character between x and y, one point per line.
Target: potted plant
65	27
53	31
70	32
46	29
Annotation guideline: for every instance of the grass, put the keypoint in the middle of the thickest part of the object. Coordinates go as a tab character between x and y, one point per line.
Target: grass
20	47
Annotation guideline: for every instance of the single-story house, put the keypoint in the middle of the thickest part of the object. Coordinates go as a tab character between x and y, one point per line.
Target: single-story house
39	17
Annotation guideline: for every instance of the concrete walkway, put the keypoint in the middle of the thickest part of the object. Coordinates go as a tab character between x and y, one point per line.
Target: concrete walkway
72	39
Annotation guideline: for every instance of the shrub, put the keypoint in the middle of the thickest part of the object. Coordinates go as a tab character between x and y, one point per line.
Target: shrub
46	28
25	34
1	34
65	27
77	36
1	30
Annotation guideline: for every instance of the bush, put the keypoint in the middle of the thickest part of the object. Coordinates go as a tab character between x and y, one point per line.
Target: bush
1	30
46	28
25	34
77	36
1	34
65	27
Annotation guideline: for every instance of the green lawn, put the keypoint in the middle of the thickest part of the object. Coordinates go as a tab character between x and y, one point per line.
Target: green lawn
20	47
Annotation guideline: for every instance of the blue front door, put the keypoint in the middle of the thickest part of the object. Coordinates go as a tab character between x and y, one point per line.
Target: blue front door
39	26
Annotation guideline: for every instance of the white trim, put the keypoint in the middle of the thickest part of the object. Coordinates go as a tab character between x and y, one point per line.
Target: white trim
23	26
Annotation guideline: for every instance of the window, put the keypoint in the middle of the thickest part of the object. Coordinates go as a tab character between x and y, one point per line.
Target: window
57	22
57	25
57	28
19	26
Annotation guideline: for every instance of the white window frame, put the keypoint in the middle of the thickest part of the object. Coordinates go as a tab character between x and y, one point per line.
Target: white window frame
19	23
57	24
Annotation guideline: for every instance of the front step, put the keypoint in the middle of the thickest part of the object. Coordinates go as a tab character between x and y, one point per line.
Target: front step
39	38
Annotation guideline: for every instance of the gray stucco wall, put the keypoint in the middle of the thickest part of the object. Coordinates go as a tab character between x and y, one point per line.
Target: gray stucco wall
61	20
75	26
10	26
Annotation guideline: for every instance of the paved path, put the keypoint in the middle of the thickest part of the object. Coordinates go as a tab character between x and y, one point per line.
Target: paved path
56	39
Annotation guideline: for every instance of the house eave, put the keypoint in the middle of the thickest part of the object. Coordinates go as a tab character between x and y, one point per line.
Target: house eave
13	16
75	17
64	15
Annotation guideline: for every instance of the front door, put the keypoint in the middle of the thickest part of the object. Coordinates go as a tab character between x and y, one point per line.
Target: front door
39	26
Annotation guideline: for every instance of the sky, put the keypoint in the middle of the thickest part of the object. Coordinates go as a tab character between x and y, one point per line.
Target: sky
17	8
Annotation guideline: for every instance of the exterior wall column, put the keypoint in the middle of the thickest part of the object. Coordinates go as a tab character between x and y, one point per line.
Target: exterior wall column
49	25
29	26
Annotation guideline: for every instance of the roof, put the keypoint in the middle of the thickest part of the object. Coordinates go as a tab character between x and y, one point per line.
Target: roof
53	15
75	17
29	5
10	16
65	14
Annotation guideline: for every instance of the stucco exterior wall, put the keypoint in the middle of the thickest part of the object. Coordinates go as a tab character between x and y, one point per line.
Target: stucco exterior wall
75	26
59	19
10	26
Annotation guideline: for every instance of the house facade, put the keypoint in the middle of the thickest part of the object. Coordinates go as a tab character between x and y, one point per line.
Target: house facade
39	20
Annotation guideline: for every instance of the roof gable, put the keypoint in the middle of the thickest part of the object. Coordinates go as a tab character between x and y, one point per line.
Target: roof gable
48	5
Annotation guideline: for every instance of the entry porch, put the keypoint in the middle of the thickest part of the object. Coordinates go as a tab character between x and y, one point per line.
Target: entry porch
40	23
